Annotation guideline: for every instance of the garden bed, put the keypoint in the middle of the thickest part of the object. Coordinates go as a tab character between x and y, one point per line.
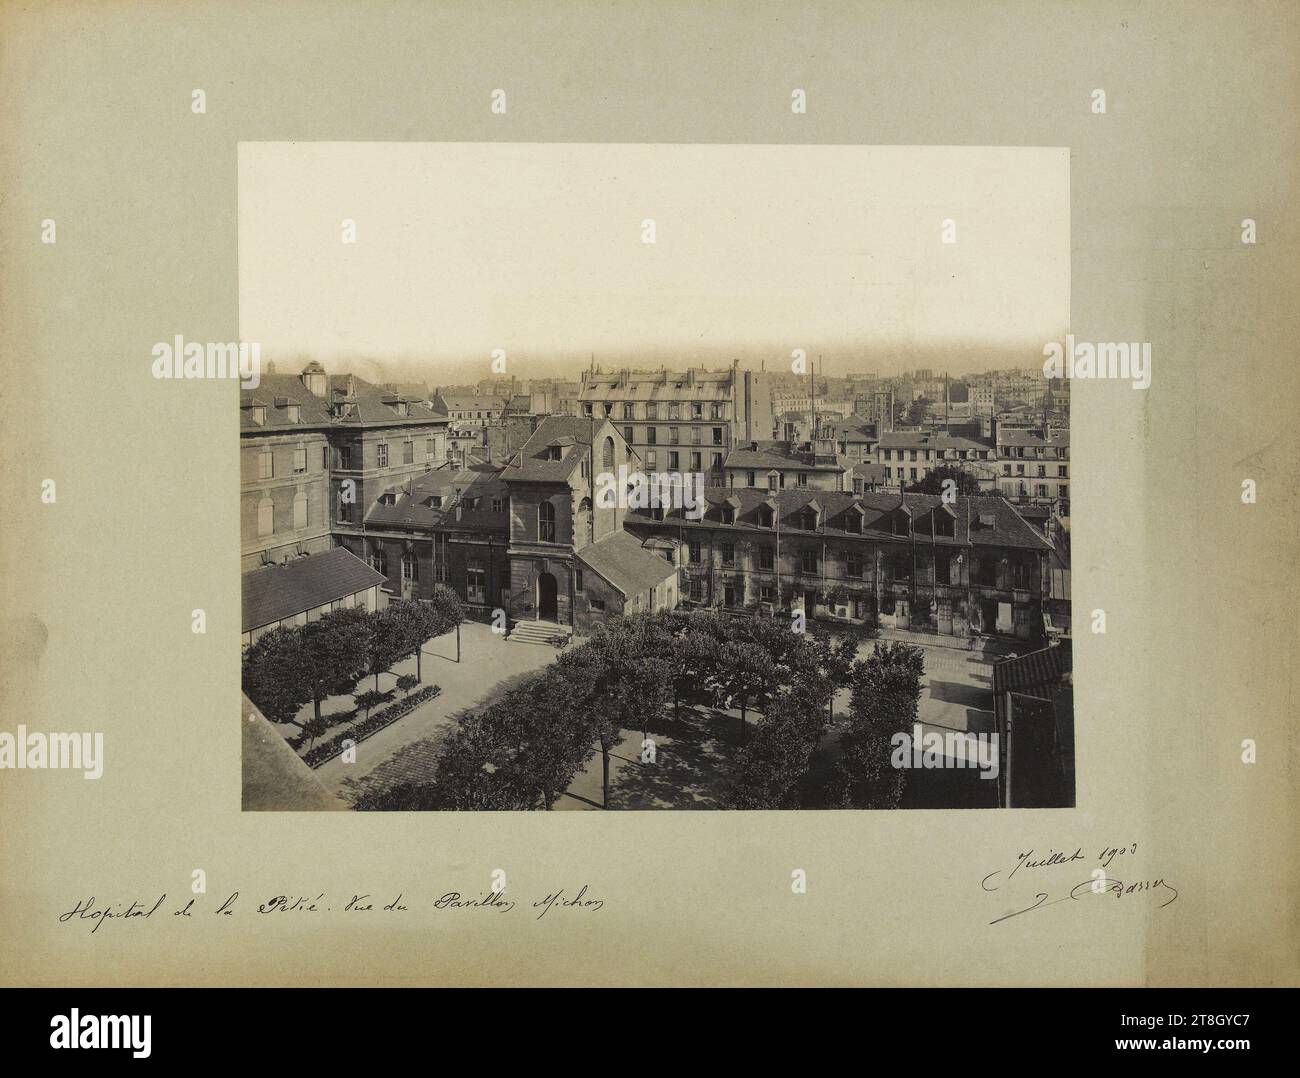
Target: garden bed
327	750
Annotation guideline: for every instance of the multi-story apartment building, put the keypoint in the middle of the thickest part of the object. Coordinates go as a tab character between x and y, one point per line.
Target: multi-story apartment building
316	451
1034	466
284	470
681	421
466	408
910	561
778	465
909	456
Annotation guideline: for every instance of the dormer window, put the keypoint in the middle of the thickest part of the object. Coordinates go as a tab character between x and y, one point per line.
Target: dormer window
388	498
728	514
433	501
810	519
259	414
554	452
853	520
294	413
900	523
766	516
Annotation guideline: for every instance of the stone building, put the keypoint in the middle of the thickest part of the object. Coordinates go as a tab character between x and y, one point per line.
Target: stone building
907	561
571	563
681	420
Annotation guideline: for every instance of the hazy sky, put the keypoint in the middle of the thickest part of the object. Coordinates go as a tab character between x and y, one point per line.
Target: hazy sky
537	248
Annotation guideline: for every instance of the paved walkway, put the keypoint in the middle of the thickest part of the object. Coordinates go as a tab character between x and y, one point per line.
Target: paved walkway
489	665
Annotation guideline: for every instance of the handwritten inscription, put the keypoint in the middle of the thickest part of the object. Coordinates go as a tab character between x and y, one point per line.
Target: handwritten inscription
1036	865
93	914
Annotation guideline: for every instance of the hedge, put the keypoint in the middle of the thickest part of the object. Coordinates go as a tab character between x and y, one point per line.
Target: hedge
327	750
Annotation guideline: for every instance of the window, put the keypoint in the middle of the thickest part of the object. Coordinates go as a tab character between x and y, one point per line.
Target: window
586	410
607	455
408	452
546	522
410	568
717	411
729	594
382	450
651	459
1042	471
627	435
696	551
749	478
498	505
597	604
674	461
803	479
766	516
853	564
294	412
265	465
324	458
652	410
476	585
943	524
696	590
299	461
629	411
674	436
1041	490
300	510
809	519
346	503
265	517
765	558
728	514
695	462
378	560
808	560
651	435
853	521
259	415
1062	471
697	411
674	410
715	462
767	593
717	435
577	581
728	553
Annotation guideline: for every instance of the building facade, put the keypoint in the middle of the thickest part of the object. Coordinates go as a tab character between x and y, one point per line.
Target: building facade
907	561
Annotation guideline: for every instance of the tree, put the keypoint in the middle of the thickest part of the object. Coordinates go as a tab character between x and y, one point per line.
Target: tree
886	692
742	666
335	652
314	728
445	614
407	682
777	757
367	700
391	632
274	674
933	481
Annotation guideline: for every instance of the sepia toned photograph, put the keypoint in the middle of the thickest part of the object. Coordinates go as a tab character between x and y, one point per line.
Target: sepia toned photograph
581	477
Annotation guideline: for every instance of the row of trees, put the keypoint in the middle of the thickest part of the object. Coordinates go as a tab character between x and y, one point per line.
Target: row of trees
524	750
291	665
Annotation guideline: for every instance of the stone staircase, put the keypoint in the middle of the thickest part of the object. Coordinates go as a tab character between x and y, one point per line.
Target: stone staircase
540	632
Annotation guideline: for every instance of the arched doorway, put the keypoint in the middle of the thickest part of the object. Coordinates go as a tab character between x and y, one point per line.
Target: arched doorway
546	592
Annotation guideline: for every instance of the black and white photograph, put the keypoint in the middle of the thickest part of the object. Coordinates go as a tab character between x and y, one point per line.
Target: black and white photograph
655	477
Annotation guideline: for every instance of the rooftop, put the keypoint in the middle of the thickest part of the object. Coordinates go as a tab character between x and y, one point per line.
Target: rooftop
277	592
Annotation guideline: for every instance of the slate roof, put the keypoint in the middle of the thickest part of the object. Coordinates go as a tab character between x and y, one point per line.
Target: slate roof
929	440
869	471
466	402
780	455
652	386
454	486
276	592
530	463
1028	437
978	520
374	404
286	388
621	560
1038	670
